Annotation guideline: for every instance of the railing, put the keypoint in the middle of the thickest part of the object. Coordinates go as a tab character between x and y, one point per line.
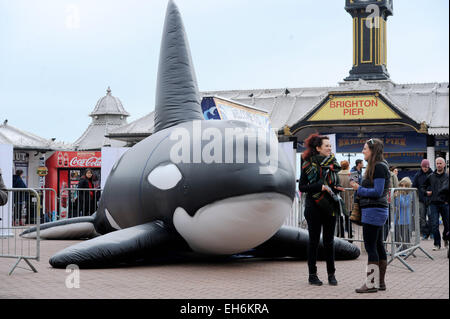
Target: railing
78	202
21	212
405	224
49	200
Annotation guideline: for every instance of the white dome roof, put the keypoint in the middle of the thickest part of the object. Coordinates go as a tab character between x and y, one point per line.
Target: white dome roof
109	105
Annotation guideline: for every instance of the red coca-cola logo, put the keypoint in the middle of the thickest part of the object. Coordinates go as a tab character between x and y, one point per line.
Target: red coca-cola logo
86	162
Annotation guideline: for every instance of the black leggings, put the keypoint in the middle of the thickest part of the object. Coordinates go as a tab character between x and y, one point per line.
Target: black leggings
317	219
373	242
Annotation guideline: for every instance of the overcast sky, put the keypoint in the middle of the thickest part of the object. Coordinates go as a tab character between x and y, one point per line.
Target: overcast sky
58	57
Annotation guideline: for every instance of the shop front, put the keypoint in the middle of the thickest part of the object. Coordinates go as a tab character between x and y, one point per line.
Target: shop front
356	116
65	168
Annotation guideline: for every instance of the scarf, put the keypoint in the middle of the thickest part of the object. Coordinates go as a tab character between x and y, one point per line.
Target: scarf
319	168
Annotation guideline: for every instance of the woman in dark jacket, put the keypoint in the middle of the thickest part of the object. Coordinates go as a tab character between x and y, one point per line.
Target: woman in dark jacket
373	194
87	199
319	180
20	199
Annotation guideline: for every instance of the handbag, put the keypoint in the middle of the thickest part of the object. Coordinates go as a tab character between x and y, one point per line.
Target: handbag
329	201
325	202
355	216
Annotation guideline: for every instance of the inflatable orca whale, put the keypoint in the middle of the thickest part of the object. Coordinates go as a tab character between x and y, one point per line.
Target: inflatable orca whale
220	205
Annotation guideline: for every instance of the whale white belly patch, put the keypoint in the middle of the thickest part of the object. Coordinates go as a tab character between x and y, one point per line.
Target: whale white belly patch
234	224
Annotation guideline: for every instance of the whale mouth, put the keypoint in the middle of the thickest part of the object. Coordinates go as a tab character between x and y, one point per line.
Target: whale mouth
235	224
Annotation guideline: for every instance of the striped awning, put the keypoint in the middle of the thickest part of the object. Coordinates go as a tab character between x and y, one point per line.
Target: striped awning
438	130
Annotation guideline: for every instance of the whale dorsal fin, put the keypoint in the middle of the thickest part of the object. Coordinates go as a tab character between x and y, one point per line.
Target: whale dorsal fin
177	94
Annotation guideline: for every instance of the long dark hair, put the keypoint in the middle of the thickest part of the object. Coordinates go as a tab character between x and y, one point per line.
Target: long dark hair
376	147
93	177
313	141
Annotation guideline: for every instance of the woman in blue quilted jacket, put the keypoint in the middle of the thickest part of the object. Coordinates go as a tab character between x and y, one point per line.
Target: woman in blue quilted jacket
373	201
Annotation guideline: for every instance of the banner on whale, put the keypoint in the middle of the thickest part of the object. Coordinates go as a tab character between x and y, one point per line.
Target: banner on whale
219	108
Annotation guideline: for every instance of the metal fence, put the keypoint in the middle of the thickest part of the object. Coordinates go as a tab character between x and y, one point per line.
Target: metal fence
21	212
78	202
401	233
404	224
49	207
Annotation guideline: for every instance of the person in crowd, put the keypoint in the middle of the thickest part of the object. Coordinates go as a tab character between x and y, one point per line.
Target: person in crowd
344	178
444	191
403	201
20	199
418	182
3	192
438	203
373	200
88	198
319	180
394	179
358	169
18	180
395	171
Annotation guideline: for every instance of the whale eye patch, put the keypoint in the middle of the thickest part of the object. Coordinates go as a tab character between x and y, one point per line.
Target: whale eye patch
165	176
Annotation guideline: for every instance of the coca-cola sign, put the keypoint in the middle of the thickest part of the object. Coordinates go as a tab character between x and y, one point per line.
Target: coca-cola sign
86	162
78	159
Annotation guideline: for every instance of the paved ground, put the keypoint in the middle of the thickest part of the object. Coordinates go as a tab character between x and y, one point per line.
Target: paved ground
246	279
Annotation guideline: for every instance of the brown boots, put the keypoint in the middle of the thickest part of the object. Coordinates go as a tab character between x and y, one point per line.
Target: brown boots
372	269
383	266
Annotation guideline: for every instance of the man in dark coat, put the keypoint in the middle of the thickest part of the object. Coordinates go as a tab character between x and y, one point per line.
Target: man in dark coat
418	182
358	169
438	203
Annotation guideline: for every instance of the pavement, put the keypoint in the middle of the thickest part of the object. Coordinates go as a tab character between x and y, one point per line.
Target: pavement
239	279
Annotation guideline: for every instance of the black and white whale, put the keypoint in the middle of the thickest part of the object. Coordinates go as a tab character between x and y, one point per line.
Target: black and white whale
213	199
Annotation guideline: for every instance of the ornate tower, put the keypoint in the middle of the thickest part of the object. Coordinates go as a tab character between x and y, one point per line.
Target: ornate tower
369	38
107	115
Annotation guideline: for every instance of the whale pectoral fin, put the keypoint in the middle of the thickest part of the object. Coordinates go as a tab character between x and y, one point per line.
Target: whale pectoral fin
125	245
72	228
293	242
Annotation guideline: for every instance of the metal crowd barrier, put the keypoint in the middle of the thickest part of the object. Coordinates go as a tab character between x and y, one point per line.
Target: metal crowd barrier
49	207
21	212
401	233
78	202
404	224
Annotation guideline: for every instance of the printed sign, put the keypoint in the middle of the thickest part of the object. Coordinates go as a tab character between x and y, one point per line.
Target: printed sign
78	159
360	107
404	158
218	109
393	142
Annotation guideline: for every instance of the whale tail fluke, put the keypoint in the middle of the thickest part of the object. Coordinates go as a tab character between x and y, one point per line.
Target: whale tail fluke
66	229
293	242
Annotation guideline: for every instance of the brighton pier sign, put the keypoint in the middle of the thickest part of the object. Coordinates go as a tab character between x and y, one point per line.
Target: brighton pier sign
357	107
